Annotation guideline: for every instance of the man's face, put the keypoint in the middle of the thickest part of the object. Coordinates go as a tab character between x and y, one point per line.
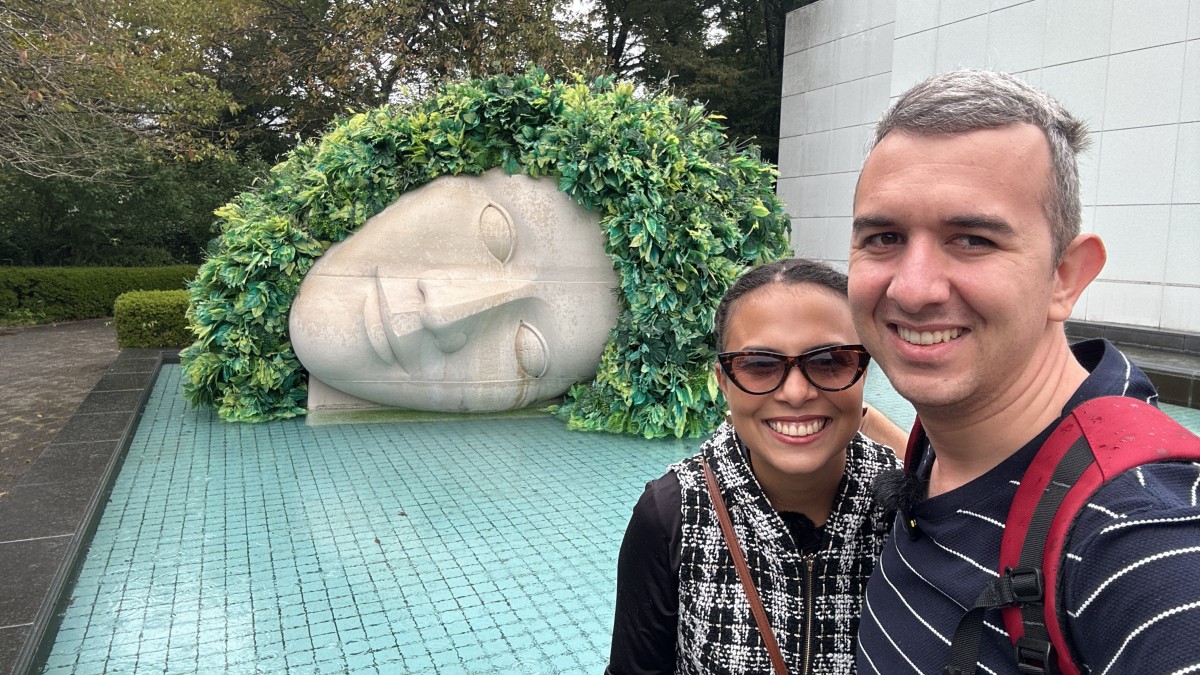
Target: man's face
951	270
468	294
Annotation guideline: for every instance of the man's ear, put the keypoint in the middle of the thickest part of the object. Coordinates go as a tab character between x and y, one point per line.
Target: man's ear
1081	263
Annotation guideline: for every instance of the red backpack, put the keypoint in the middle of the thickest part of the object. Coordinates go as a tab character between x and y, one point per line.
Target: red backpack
1092	445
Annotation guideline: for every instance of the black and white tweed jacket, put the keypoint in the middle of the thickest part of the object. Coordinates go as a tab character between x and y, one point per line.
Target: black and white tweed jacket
813	603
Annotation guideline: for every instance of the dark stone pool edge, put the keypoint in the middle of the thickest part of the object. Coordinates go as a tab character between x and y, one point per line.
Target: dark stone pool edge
106	421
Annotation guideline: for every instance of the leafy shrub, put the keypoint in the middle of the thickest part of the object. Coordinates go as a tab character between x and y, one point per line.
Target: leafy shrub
137	255
49	294
684	212
152	319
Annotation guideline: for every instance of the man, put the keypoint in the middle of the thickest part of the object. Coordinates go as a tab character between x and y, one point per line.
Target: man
966	258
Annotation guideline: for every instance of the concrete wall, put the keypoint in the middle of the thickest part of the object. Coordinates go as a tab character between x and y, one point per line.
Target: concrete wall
1130	68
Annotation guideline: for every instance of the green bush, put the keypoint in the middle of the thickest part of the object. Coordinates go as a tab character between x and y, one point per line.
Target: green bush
152	319
685	212
49	294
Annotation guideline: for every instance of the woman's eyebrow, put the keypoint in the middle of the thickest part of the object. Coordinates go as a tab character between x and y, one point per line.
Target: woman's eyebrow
756	348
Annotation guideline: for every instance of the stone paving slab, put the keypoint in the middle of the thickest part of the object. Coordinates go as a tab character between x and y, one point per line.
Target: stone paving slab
48	371
46	481
51	511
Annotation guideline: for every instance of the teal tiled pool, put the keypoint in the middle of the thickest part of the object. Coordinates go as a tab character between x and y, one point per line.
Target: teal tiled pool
465	546
474	546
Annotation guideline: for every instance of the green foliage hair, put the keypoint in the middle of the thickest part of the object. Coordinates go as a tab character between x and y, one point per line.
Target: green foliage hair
684	212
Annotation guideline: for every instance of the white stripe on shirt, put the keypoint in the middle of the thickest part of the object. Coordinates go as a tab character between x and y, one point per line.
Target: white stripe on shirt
1137	631
982	517
1197	464
1130	568
964	557
867	604
908	606
1107	512
892	541
1148	521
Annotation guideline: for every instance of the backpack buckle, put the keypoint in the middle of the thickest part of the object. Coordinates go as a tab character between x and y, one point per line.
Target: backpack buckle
1026	583
1035	657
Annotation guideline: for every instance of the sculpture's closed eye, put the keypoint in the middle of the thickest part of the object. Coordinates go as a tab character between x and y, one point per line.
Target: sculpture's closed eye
497	232
532	353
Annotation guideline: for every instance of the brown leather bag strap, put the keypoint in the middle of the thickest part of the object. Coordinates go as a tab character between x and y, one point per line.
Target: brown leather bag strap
735	550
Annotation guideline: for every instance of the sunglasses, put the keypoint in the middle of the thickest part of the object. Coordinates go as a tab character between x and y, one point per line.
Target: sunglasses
828	368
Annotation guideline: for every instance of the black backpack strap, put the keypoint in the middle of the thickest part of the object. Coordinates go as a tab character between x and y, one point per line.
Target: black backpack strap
1013	587
1034	650
1023	584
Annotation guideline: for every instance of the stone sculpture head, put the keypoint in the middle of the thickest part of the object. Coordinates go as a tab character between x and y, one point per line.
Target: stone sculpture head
469	294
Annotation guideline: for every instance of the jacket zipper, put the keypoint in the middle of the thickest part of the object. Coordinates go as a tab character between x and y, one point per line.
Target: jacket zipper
808	610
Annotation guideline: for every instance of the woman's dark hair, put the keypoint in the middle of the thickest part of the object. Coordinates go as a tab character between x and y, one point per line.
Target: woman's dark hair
790	272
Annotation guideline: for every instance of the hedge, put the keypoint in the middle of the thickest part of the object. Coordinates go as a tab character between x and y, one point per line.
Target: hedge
685	212
152	319
49	294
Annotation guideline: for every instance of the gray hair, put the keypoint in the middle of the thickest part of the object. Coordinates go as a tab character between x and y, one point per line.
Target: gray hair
969	100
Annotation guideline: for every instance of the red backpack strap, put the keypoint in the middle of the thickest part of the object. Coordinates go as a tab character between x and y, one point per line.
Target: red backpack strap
1022	584
912	454
912	462
1094	443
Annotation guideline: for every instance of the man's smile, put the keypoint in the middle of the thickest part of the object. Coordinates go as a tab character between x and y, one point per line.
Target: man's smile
926	337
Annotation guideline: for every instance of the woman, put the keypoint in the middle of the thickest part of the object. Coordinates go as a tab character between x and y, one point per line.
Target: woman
795	474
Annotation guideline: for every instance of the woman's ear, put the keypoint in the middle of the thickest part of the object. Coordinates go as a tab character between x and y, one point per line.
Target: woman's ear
722	380
1081	263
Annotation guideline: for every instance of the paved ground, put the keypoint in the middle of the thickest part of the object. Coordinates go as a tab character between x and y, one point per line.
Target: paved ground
45	372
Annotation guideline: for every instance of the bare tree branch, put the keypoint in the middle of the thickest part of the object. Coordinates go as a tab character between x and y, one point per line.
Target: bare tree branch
85	83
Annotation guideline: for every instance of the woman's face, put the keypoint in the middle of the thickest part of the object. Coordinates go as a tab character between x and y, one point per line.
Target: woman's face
796	430
469	294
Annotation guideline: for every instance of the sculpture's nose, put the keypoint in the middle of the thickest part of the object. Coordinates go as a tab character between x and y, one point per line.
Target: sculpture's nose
451	309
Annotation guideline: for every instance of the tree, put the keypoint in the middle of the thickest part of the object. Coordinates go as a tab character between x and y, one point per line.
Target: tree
726	53
294	65
100	98
743	77
88	85
647	39
162	215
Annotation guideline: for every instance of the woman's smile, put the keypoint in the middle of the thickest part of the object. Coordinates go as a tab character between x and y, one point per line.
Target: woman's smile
797	429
